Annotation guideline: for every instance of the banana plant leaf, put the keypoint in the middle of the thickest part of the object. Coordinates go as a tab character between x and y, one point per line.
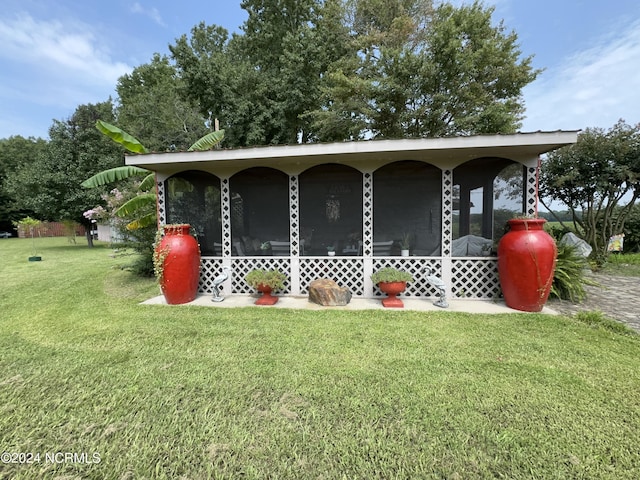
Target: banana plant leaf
207	142
144	221
136	203
148	183
112	175
120	136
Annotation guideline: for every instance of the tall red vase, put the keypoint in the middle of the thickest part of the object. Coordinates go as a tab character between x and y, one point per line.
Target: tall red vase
526	263
181	266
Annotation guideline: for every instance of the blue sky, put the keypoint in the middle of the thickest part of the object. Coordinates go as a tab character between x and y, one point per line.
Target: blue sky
57	55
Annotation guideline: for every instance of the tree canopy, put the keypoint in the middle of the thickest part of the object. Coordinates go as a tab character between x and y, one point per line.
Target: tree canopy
341	70
48	184
299	71
14	152
598	178
154	107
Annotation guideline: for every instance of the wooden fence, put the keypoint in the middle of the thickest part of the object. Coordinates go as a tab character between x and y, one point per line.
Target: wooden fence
53	229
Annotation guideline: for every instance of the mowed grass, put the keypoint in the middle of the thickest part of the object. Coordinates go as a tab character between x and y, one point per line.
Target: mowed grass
197	393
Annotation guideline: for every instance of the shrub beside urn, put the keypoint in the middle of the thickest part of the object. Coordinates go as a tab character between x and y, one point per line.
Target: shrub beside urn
176	261
526	262
392	282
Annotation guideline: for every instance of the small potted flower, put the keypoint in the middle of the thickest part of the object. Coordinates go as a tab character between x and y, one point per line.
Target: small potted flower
331	250
392	282
265	281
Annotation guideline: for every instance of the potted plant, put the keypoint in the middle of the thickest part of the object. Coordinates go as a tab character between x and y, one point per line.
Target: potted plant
405	244
265	281
392	282
264	247
28	224
176	262
331	250
526	263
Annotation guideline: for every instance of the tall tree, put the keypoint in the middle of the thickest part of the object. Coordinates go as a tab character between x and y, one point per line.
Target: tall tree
49	184
216	77
419	71
331	70
260	83
154	106
15	151
598	178
279	42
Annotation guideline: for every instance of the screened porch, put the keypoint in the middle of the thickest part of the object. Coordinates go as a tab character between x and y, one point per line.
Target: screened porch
313	212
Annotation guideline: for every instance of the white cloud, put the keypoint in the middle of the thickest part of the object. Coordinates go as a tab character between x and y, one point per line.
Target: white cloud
152	13
593	88
62	50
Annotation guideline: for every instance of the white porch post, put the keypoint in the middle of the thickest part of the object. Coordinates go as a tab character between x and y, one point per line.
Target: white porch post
162	200
294	234
531	187
225	216
367	231
447	229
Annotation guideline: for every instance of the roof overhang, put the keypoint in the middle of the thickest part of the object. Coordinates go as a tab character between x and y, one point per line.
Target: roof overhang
443	152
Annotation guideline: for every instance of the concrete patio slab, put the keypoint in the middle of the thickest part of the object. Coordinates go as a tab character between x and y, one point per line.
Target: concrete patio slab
303	303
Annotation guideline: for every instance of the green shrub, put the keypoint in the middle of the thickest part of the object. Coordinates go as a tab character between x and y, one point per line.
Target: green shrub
390	274
569	278
271	278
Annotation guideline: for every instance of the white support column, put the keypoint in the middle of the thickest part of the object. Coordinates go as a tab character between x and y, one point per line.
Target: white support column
447	229
367	231
162	200
225	216
531	188
294	234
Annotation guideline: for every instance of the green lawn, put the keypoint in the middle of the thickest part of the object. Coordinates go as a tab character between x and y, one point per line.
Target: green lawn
197	393
626	264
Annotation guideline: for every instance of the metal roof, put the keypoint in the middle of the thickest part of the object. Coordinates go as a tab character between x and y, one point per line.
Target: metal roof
445	152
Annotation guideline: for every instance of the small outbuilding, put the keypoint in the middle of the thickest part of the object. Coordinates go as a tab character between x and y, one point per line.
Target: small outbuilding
445	200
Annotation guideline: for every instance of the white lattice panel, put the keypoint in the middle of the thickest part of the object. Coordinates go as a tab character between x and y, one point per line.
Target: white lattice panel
225	206
447	211
416	266
162	210
345	271
531	190
210	268
475	278
240	266
294	225
367	214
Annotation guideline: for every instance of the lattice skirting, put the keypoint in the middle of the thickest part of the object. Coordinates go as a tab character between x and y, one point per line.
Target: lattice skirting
345	271
211	267
416	266
473	278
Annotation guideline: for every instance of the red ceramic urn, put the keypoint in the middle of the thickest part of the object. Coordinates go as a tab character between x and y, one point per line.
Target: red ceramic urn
526	263
179	255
